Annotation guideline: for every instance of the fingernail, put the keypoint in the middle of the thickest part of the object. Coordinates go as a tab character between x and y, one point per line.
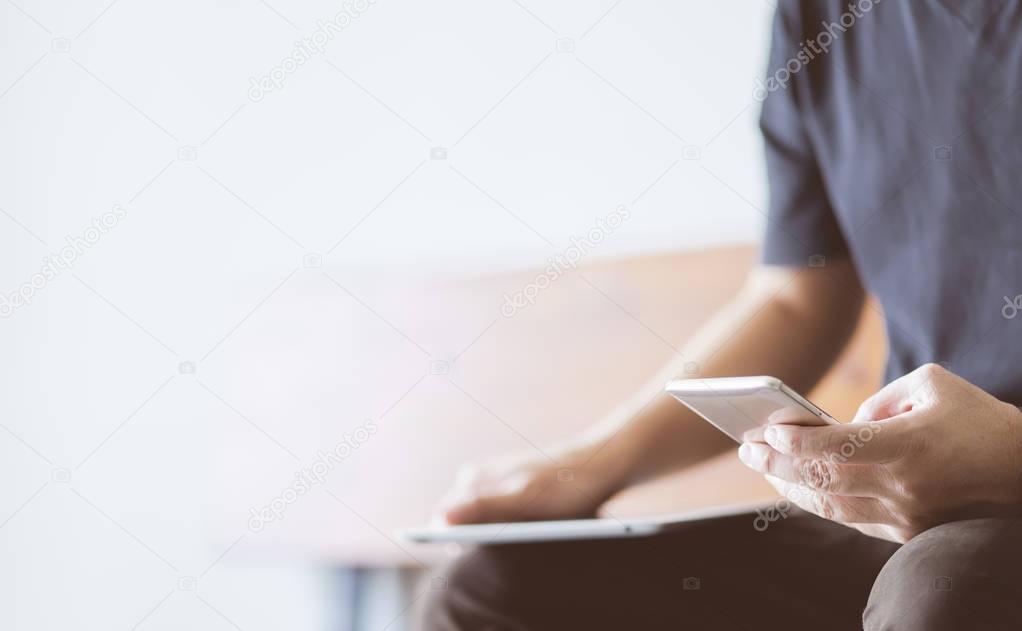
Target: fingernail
770	435
743	452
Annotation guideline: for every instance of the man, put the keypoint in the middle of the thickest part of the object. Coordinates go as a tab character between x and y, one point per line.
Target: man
894	163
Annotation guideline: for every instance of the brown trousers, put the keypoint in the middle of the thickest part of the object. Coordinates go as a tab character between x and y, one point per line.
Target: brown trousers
801	572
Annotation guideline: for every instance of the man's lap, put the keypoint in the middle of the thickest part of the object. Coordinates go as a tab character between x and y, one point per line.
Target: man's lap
960	575
801	572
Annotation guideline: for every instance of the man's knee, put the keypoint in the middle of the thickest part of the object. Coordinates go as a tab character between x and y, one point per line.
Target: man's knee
475	591
954	576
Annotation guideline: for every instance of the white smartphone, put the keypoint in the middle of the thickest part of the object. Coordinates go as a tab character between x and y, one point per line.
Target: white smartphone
737	404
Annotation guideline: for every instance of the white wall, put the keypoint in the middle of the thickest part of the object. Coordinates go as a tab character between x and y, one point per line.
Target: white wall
144	105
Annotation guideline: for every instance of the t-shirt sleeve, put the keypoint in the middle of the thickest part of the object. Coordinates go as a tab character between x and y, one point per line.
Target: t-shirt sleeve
801	223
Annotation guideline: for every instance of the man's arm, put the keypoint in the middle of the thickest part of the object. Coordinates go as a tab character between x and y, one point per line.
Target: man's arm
787	322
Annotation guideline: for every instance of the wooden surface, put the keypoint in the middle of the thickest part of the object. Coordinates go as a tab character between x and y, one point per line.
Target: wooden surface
478	385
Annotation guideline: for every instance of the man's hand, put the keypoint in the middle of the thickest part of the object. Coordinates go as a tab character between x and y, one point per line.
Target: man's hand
928	448
530	486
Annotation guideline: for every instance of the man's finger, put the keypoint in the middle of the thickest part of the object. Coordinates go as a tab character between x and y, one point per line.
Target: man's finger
855	443
898	396
839	508
785	416
489	508
754	435
817	475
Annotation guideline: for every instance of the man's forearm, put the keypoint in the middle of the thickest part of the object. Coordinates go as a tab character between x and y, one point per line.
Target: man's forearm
790	324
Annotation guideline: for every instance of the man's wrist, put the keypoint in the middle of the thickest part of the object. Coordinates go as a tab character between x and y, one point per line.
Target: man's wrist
1015	415
607	460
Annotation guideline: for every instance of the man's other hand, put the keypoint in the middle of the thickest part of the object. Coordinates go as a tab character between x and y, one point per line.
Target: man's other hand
564	484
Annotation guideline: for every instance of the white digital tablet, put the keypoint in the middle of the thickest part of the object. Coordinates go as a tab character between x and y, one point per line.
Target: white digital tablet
600	528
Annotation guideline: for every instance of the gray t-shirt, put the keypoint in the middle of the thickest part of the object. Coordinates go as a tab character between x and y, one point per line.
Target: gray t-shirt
898	144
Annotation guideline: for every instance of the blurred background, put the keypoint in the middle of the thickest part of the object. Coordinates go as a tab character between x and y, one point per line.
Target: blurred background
270	271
